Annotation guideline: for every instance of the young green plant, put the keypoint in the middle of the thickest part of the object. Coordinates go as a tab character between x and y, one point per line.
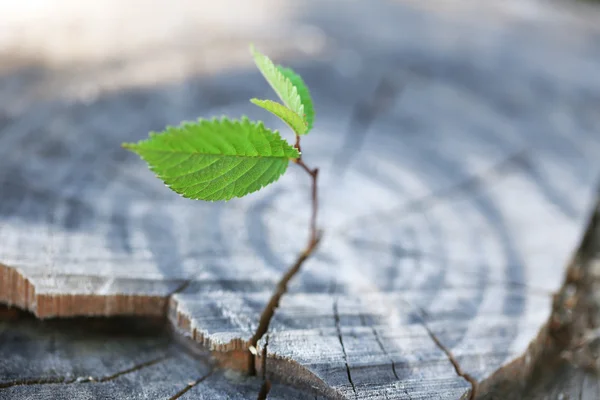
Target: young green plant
219	159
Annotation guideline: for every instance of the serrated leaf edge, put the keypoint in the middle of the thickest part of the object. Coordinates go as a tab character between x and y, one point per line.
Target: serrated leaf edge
299	108
244	119
305	100
276	166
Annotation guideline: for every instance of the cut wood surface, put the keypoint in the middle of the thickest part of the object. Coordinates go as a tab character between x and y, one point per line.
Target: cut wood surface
100	359
563	362
458	151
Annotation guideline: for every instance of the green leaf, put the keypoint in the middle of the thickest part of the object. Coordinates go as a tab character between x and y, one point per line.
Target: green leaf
294	121
282	85
303	92
216	159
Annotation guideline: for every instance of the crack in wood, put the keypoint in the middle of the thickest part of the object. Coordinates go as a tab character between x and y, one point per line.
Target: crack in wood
459	371
87	379
266	386
191	385
178	289
264	358
378	340
336	317
37	381
381	346
280	290
134	368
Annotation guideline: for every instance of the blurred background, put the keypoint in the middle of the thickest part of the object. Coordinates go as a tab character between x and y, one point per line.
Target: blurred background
92	47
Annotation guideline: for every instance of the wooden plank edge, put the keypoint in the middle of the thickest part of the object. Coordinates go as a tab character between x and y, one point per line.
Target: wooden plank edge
17	290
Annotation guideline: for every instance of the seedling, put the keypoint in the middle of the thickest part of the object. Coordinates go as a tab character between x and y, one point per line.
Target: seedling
219	159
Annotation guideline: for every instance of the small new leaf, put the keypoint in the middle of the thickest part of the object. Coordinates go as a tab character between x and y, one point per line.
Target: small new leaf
216	159
294	121
282	85
303	92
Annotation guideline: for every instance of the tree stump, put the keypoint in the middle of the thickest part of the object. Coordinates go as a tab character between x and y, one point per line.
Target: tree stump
458	151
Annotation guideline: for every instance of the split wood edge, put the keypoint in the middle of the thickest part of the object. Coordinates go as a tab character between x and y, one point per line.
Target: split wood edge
17	290
562	338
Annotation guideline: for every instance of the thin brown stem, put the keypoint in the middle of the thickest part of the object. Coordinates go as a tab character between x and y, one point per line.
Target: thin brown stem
314	173
297	145
281	288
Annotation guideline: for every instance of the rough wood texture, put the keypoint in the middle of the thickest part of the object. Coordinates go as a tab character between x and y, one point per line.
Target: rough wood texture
458	155
109	359
563	362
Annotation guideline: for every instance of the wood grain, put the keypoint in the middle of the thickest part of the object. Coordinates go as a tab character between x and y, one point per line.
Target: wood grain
562	361
95	358
458	158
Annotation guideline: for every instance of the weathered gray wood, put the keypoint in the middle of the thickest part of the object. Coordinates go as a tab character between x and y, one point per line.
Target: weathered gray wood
455	209
386	345
562	362
108	359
